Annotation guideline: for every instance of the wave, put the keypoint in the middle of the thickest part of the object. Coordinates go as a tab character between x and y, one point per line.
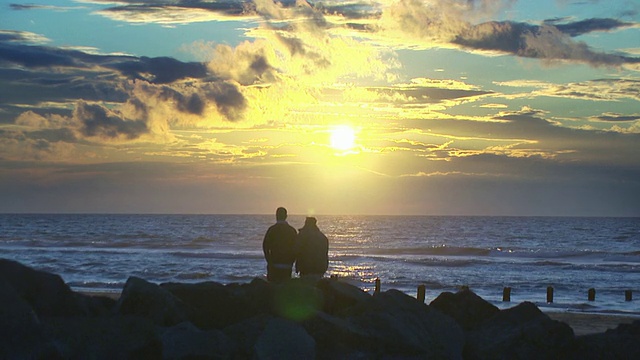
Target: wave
434	250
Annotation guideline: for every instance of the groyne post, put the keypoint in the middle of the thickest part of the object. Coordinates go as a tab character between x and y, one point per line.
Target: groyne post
506	294
591	296
628	295
549	294
377	289
421	293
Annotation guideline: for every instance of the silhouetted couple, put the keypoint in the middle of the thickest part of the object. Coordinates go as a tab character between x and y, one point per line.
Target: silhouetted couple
283	246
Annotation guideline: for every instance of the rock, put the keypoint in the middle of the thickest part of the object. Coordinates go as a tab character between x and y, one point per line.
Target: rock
467	308
21	334
140	297
622	342
186	341
216	306
46	293
98	338
339	296
400	325
96	305
296	300
284	339
245	334
336	338
521	332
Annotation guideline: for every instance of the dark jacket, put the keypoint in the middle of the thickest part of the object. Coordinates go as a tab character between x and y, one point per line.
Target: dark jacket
279	244
312	251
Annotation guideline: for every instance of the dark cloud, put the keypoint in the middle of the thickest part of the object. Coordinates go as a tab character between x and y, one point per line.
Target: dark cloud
160	70
35	56
24	6
419	94
53	135
542	42
98	121
611	117
590	25
191	104
228	8
38	87
19	7
228	99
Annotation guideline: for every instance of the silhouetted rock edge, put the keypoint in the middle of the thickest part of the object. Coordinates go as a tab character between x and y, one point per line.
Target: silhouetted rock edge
42	318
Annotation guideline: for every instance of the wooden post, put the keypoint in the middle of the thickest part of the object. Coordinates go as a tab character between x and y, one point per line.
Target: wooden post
628	295
377	290
421	293
550	294
506	294
592	294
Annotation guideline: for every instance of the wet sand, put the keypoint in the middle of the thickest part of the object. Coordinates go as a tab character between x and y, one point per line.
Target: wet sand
590	323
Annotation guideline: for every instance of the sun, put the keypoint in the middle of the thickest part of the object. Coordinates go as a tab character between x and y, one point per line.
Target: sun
342	137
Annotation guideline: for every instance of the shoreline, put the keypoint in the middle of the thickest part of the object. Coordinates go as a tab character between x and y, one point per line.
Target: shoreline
582	323
586	323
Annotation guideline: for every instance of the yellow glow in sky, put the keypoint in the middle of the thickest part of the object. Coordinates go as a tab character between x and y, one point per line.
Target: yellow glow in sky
342	137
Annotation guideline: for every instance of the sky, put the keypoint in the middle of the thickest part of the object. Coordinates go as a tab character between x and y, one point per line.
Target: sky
390	107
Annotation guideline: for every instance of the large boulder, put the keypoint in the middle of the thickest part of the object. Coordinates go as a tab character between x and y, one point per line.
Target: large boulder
622	342
340	296
337	338
21	333
216	306
186	341
399	325
467	308
245	334
521	332
140	297
284	340
105	337
296	300
46	293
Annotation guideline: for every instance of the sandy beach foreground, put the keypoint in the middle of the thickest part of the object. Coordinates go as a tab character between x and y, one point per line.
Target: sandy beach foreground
591	323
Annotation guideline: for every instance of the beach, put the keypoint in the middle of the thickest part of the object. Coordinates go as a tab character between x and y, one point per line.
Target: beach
591	323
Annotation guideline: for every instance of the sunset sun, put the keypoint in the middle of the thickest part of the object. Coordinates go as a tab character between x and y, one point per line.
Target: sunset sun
342	137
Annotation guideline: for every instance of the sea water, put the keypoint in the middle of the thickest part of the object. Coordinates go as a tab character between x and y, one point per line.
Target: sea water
444	253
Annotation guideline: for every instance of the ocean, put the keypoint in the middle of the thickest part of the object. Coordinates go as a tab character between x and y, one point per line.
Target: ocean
444	253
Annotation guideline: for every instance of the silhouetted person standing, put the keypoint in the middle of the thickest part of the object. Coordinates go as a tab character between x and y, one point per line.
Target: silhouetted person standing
312	250
279	248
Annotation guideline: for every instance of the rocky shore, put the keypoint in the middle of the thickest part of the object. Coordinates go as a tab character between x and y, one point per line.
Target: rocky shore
42	318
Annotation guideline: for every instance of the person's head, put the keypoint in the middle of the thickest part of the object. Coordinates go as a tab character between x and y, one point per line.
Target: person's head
281	214
310	222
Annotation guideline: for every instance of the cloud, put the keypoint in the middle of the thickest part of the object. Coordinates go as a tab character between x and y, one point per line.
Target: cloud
182	12
99	122
22	37
156	70
162	70
609	89
115	97
581	27
545	42
615	117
